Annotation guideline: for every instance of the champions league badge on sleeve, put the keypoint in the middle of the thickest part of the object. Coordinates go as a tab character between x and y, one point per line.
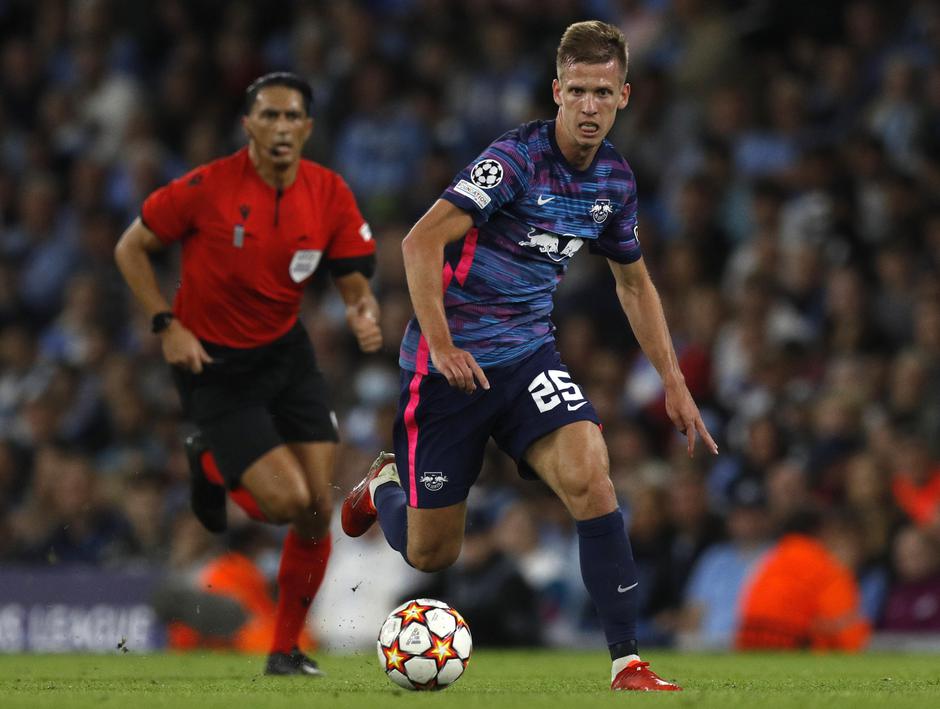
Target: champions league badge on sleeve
601	210
487	174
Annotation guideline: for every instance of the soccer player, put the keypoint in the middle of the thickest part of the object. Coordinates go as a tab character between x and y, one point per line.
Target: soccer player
480	360
254	226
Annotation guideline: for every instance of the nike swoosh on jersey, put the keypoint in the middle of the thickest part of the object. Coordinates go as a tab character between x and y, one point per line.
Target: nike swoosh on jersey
621	589
576	406
544	200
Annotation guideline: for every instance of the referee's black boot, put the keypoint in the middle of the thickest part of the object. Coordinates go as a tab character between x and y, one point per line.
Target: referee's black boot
207	499
292	663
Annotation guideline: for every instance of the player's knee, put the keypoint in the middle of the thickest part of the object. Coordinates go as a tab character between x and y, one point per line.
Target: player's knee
600	489
288	505
319	512
589	488
429	563
430	560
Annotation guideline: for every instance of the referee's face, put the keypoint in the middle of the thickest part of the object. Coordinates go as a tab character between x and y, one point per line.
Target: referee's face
588	98
278	126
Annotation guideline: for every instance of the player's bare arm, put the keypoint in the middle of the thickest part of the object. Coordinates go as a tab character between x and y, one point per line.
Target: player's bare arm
362	310
181	348
423	251
640	302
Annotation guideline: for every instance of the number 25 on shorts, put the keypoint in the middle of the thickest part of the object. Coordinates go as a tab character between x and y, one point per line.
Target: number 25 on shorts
549	388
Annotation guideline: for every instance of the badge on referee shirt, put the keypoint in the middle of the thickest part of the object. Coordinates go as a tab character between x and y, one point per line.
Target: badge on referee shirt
238	233
303	264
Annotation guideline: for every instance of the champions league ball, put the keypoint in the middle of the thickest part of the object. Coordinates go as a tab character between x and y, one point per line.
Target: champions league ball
424	645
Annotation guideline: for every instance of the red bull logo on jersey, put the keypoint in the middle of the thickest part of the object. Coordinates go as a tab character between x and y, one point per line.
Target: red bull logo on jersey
548	244
601	209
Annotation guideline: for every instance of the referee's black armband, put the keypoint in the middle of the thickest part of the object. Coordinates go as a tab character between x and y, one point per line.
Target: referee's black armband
358	264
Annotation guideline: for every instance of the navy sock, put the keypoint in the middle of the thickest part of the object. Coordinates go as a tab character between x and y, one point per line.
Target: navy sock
389	502
609	574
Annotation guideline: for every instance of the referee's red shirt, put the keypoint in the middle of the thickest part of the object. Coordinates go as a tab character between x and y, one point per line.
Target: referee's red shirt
248	251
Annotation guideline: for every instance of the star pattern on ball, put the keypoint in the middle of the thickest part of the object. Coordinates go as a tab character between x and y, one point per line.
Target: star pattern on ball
461	623
441	650
413	612
394	658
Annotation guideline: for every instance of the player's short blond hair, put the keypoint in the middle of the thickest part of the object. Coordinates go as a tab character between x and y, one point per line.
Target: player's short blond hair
592	42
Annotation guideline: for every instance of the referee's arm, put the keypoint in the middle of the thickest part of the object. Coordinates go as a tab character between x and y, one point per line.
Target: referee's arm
180	347
362	310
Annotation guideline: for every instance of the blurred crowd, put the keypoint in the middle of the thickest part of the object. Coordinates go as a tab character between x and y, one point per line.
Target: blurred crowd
788	163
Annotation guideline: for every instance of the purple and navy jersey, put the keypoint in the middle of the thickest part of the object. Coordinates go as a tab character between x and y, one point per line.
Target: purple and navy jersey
532	212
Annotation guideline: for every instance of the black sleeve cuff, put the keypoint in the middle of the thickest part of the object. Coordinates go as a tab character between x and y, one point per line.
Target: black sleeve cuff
358	264
617	257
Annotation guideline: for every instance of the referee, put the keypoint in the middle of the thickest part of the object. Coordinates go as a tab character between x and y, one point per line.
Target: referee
254	227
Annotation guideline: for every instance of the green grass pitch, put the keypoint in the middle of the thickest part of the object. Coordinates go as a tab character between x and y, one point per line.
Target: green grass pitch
520	680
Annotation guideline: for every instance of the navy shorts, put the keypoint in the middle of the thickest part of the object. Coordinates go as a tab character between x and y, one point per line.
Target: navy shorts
250	401
441	432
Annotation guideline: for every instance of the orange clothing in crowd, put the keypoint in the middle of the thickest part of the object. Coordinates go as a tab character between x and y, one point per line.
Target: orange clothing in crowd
236	576
801	597
920	503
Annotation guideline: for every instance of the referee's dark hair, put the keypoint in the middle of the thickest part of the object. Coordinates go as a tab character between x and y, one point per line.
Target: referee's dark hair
279	78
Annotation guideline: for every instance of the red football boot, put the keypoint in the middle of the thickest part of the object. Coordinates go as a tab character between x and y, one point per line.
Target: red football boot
637	676
358	509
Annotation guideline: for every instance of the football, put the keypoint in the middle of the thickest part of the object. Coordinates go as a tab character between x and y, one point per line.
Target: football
424	645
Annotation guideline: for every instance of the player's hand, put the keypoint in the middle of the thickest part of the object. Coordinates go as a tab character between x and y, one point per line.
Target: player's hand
460	368
181	348
685	415
363	319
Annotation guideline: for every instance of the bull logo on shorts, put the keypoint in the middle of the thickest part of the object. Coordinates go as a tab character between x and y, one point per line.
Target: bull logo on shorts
433	481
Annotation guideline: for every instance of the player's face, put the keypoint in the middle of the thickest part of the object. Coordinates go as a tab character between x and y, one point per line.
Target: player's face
588	98
278	125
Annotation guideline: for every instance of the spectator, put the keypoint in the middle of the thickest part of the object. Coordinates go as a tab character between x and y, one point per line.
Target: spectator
913	605
488	588
709	614
695	528
81	526
544	564
239	608
916	479
44	248
803	596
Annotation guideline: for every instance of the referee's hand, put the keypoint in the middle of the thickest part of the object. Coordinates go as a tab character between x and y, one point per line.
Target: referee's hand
363	319
181	348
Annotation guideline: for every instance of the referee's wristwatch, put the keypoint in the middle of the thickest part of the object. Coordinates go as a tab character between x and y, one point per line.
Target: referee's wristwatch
161	321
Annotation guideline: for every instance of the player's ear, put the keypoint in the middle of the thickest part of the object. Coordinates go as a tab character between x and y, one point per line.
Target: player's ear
624	96
308	127
556	92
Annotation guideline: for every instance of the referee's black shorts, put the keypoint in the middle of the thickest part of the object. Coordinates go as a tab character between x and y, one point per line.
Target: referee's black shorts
249	401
